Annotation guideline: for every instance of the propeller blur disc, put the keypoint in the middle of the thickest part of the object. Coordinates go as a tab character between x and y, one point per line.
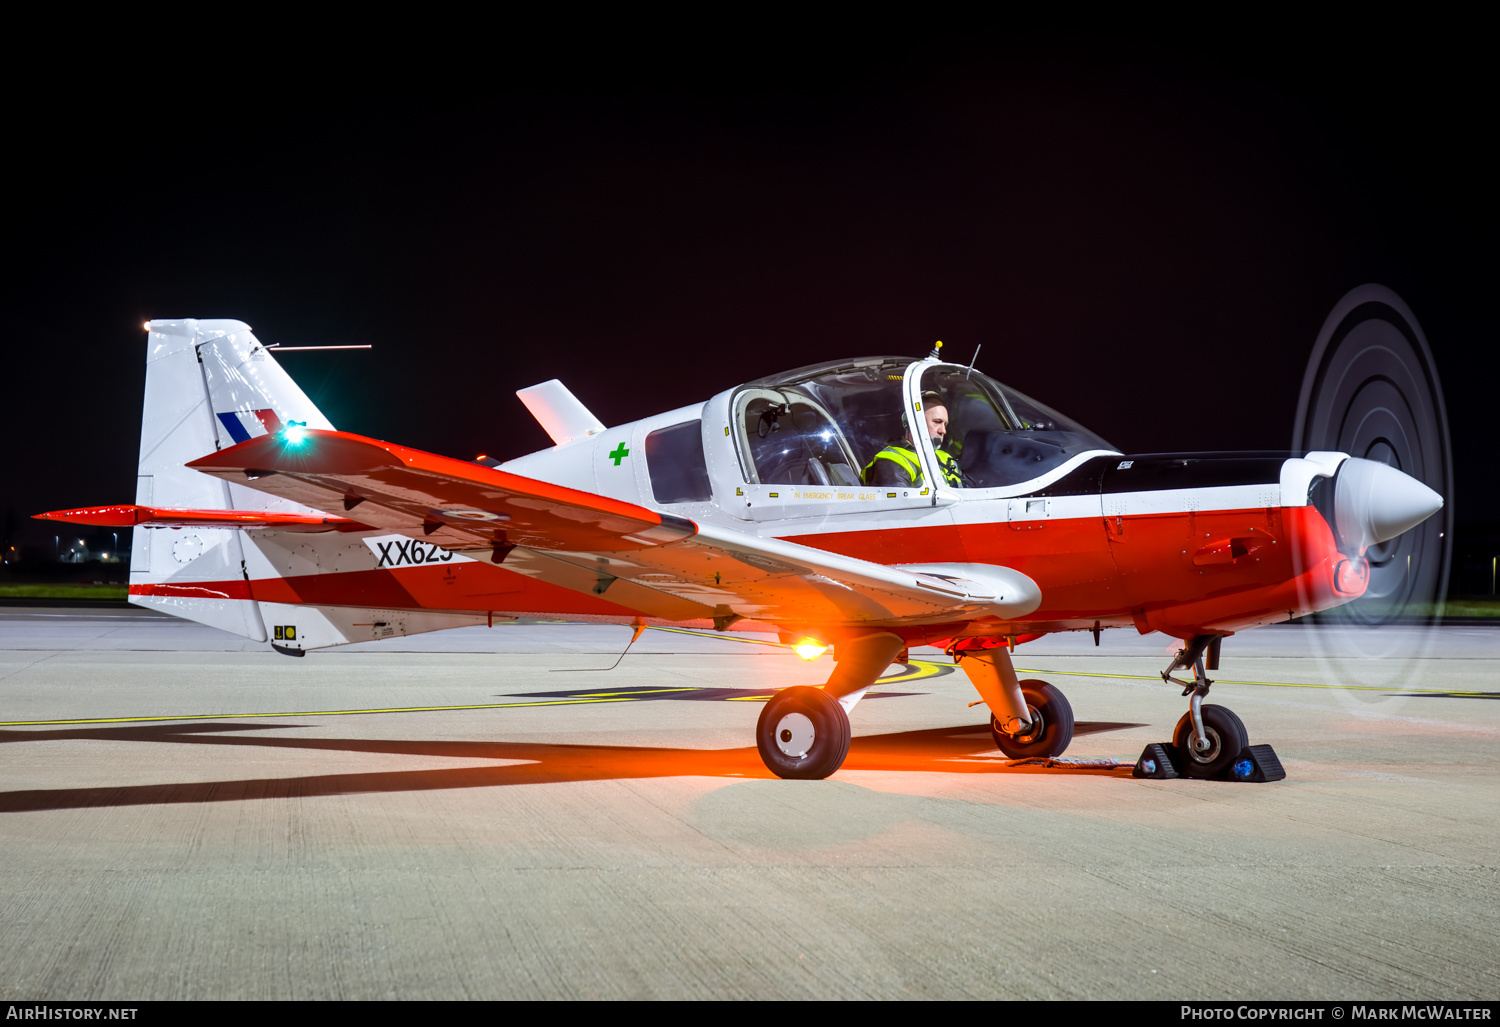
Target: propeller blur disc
1371	390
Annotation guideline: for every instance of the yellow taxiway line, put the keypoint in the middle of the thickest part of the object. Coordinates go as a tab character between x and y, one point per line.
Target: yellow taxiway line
302	713
915	670
1265	684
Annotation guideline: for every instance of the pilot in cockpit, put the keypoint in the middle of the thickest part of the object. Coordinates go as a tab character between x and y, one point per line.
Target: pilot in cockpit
897	463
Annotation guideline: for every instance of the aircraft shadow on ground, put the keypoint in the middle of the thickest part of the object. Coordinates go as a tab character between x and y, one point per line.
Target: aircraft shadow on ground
952	750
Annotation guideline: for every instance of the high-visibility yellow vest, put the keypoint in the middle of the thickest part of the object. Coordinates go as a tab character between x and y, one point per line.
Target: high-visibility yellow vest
906	459
902	457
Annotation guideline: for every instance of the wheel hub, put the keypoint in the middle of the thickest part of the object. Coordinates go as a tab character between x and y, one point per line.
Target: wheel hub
1206	749
794	735
1038	725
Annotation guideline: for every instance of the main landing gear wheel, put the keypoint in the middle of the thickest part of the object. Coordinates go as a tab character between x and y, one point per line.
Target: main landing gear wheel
1226	739
803	733
1051	719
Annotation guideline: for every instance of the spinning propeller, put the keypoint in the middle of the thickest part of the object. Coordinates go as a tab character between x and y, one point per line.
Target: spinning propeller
1371	390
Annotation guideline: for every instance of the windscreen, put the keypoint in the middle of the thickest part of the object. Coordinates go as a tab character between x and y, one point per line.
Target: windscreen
999	436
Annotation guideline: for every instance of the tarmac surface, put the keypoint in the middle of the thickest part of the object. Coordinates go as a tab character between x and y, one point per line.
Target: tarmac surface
203	818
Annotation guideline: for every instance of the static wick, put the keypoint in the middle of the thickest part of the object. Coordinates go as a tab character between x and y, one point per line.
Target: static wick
278	347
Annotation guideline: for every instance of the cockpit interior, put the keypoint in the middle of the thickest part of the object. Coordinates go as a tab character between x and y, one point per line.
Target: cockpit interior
822	425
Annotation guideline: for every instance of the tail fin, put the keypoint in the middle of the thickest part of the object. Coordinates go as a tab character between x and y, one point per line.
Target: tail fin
209	384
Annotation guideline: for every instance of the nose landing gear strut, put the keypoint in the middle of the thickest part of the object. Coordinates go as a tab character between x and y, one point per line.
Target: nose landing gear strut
1210	742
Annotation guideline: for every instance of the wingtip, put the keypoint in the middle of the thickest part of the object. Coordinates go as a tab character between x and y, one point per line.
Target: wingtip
120	515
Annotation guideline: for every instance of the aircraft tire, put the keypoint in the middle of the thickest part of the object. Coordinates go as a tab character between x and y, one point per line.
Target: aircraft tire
1054	735
1224	729
803	733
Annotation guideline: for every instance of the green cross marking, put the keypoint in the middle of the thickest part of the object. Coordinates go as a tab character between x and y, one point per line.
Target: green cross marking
619	454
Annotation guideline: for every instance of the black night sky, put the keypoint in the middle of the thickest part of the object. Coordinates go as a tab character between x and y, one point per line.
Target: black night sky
1146	241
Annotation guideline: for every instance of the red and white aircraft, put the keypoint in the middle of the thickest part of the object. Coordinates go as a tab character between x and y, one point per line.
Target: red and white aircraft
746	511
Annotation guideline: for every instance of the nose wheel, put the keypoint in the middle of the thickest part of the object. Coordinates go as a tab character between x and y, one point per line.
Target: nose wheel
803	733
1212	753
1210	742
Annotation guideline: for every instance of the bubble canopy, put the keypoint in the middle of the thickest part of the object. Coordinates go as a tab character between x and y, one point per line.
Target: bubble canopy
823	424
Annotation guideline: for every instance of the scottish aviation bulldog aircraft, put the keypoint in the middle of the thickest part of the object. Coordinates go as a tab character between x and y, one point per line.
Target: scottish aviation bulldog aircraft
749	511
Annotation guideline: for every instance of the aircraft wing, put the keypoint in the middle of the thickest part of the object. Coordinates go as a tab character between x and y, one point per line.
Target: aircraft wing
738	574
726	572
455	504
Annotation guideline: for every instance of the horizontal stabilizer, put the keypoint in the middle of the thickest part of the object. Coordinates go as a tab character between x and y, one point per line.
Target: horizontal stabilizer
452	503
559	412
129	515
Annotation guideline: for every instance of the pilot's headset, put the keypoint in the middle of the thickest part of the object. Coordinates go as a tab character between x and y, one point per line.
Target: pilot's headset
928	399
